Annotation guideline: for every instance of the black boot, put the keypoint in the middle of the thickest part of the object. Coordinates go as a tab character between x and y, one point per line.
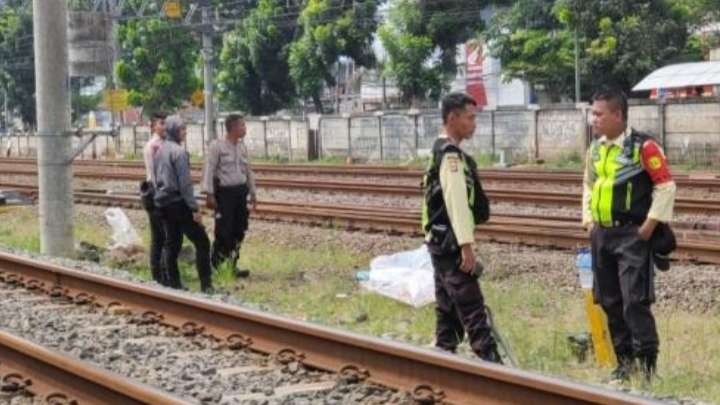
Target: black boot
625	368
648	365
492	355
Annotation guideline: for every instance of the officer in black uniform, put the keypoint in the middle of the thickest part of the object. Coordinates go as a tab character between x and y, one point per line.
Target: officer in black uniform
454	203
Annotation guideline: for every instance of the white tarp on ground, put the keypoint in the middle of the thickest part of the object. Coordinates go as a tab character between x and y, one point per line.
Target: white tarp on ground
403	276
123	233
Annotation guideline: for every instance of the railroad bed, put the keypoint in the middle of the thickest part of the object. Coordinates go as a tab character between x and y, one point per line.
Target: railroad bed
205	351
694	242
519	195
683	180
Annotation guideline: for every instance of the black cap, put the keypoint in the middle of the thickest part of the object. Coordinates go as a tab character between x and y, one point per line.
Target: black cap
662	243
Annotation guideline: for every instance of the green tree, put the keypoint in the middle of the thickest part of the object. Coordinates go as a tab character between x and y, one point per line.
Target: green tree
534	46
17	62
421	39
254	73
330	29
621	41
158	63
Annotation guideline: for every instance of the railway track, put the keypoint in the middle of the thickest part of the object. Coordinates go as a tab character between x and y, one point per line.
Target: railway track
510	195
32	373
561	232
147	332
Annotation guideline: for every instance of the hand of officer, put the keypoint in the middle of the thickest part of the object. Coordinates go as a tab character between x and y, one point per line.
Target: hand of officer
210	202
197	217
253	203
647	228
468	258
589	228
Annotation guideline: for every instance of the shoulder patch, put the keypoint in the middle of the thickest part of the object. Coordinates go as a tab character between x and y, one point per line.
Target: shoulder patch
453	161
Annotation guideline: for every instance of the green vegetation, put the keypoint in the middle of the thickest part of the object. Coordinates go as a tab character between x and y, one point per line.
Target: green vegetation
317	283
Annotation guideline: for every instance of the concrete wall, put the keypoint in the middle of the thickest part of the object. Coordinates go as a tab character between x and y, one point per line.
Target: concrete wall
691	133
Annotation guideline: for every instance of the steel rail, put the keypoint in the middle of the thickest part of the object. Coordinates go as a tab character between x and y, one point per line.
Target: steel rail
693	245
434	377
509	175
55	378
535	197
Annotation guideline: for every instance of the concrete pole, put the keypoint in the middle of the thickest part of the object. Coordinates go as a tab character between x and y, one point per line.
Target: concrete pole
207	52
53	121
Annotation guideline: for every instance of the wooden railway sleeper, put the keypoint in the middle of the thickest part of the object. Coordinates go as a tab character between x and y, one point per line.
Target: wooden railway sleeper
424	394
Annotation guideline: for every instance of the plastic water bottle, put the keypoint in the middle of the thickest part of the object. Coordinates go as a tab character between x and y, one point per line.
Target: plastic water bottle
602	344
583	262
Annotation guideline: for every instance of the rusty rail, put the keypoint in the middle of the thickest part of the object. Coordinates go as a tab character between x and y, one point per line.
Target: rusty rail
525	196
509	175
427	375
55	378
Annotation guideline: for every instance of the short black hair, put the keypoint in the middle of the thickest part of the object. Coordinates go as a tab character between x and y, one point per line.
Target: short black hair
231	119
454	102
157	116
614	97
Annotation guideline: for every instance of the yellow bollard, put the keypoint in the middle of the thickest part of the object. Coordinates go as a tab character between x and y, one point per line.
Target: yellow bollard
602	343
597	320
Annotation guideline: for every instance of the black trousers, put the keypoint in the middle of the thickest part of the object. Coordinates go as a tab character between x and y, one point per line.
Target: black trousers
460	308
624	287
177	221
231	222
157	240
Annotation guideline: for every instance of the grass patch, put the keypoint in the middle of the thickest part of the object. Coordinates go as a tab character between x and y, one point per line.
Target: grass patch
317	283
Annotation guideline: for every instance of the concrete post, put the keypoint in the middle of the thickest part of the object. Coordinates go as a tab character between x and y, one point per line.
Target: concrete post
265	142
53	122
207	52
379	115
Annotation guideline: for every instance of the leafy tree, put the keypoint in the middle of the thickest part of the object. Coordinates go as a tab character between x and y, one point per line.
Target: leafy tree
17	62
330	29
621	41
158	63
421	39
534	46
254	72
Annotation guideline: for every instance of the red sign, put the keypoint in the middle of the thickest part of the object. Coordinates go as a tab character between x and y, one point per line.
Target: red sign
474	81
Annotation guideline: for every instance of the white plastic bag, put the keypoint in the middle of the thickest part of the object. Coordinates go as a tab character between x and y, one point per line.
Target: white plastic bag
123	233
403	276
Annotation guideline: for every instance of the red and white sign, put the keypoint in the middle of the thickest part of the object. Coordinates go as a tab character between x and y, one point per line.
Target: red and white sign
474	82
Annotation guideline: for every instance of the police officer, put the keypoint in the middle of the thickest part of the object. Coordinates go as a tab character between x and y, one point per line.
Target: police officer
454	203
628	191
229	184
157	235
175	200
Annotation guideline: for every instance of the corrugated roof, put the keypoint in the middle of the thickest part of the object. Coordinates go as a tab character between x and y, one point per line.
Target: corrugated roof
682	75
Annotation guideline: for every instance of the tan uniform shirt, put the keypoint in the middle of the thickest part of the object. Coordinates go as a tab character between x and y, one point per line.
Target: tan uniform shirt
229	163
452	181
663	196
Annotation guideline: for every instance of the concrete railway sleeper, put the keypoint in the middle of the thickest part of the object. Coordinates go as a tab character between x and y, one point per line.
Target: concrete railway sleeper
230	354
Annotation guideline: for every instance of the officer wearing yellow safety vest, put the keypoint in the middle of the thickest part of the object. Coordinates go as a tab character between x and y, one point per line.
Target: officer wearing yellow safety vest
454	203
628	191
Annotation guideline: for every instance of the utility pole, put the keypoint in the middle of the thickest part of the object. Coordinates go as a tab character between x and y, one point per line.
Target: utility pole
207	52
53	124
577	68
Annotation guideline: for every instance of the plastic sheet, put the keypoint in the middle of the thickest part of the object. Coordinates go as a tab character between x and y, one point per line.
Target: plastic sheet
124	234
403	276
